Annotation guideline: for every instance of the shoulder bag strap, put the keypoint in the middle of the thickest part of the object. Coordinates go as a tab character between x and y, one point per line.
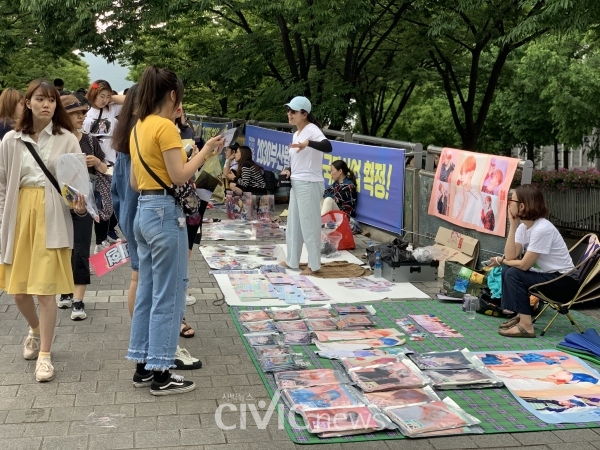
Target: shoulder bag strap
42	166
148	169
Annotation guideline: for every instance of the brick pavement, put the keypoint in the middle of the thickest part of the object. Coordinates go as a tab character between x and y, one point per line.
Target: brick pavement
93	376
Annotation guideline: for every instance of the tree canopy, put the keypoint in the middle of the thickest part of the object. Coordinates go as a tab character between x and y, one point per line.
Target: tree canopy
479	74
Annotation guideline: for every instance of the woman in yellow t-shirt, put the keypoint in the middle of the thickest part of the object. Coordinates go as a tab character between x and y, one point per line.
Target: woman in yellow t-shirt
160	232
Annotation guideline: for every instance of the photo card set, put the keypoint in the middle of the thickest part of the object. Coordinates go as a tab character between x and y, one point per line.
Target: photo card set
282	363
402	397
278	314
432	418
344	420
318	312
457	369
262	339
297	338
312	377
353	309
354	322
323	396
398	374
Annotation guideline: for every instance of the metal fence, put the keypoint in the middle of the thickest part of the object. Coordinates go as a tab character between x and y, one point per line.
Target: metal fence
574	209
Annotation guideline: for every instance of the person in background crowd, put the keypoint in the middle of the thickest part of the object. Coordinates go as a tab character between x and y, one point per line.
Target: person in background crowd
36	231
11	108
100	122
59	85
306	159
248	176
231	164
82	226
161	238
341	195
545	258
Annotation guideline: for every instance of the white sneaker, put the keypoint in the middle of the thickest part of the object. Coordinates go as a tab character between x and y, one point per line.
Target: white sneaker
31	348
185	361
189	300
99	247
113	237
78	311
65	301
44	370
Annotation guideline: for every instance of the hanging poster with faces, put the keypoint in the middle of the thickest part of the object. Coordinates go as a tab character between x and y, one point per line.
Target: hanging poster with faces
471	190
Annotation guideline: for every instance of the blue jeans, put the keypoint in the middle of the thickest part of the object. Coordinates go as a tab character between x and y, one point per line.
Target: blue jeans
161	236
125	202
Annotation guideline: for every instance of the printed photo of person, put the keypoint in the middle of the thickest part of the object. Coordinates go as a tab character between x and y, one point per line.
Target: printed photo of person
447	166
442	193
495	176
488	220
467	195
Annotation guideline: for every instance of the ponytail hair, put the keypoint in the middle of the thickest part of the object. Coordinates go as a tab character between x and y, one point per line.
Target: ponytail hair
312	119
127	120
155	86
341	165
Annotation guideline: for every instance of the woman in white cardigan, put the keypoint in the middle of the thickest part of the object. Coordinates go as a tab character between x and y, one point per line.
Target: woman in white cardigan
36	230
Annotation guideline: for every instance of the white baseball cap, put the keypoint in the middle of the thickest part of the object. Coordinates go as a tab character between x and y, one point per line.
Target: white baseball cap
299	103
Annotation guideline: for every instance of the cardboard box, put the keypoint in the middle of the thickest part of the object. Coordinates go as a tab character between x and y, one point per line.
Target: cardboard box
457	247
410	272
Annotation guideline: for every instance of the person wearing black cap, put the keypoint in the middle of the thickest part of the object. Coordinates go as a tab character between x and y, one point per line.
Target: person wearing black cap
306	172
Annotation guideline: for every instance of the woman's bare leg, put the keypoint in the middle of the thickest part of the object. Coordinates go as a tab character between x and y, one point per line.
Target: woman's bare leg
26	307
47	320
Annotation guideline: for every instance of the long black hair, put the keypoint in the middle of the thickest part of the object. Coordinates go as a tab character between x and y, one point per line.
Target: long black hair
348	173
127	120
312	119
245	159
155	86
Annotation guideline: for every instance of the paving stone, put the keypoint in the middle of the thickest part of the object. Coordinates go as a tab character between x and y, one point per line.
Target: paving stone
111	441
46	429
408	444
21	444
249	434
65	442
453	442
491	440
76	388
54	400
196	407
203	436
91	399
27	415
178	422
12	430
3	415
155	409
572	446
532	438
576	435
161	438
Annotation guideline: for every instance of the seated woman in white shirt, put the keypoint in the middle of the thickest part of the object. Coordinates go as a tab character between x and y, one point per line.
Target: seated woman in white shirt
545	257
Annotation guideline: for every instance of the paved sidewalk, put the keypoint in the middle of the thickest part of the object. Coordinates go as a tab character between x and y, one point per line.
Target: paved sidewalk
93	376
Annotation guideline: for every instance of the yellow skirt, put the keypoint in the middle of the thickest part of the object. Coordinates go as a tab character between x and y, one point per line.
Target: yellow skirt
35	270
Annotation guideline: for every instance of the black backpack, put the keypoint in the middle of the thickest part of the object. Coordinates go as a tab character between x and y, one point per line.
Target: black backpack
271	181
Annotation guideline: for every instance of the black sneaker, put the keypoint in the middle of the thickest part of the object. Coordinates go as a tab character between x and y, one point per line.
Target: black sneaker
140	381
174	385
65	301
77	311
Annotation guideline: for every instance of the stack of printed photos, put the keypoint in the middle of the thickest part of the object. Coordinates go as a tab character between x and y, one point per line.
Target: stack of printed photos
354	322
344	420
276	358
383	373
353	309
457	369
433	418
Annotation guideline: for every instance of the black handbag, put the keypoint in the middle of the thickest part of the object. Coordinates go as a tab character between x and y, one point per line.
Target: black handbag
185	195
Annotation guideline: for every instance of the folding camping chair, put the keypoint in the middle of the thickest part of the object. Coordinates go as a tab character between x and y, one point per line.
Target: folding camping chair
586	257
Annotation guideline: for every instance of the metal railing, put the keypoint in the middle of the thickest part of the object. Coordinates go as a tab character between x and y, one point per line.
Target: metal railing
574	209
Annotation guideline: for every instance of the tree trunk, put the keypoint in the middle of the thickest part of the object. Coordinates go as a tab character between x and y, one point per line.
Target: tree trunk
566	158
530	152
556	155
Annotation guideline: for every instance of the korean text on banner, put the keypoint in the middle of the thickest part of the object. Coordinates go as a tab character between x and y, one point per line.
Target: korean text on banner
109	259
379	173
471	190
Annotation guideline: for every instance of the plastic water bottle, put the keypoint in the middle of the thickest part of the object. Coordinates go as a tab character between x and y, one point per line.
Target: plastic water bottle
471	305
378	267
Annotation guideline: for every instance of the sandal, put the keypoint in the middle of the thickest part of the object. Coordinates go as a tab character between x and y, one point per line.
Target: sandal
523	333
185	330
510	323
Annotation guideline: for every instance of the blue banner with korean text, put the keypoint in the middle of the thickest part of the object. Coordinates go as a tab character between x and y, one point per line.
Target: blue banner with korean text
379	173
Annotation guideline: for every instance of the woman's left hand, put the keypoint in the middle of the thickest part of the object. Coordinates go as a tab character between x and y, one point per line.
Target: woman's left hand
79	205
300	146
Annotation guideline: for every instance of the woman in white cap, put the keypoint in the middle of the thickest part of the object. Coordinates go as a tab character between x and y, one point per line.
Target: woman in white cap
306	173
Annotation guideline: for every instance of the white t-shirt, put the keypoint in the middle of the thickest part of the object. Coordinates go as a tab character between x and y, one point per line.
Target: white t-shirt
307	165
544	238
106	128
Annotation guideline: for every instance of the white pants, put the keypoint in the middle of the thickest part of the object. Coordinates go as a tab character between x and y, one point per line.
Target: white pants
328	204
304	223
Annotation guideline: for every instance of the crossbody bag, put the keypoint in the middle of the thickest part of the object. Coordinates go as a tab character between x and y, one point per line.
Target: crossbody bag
185	195
37	158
